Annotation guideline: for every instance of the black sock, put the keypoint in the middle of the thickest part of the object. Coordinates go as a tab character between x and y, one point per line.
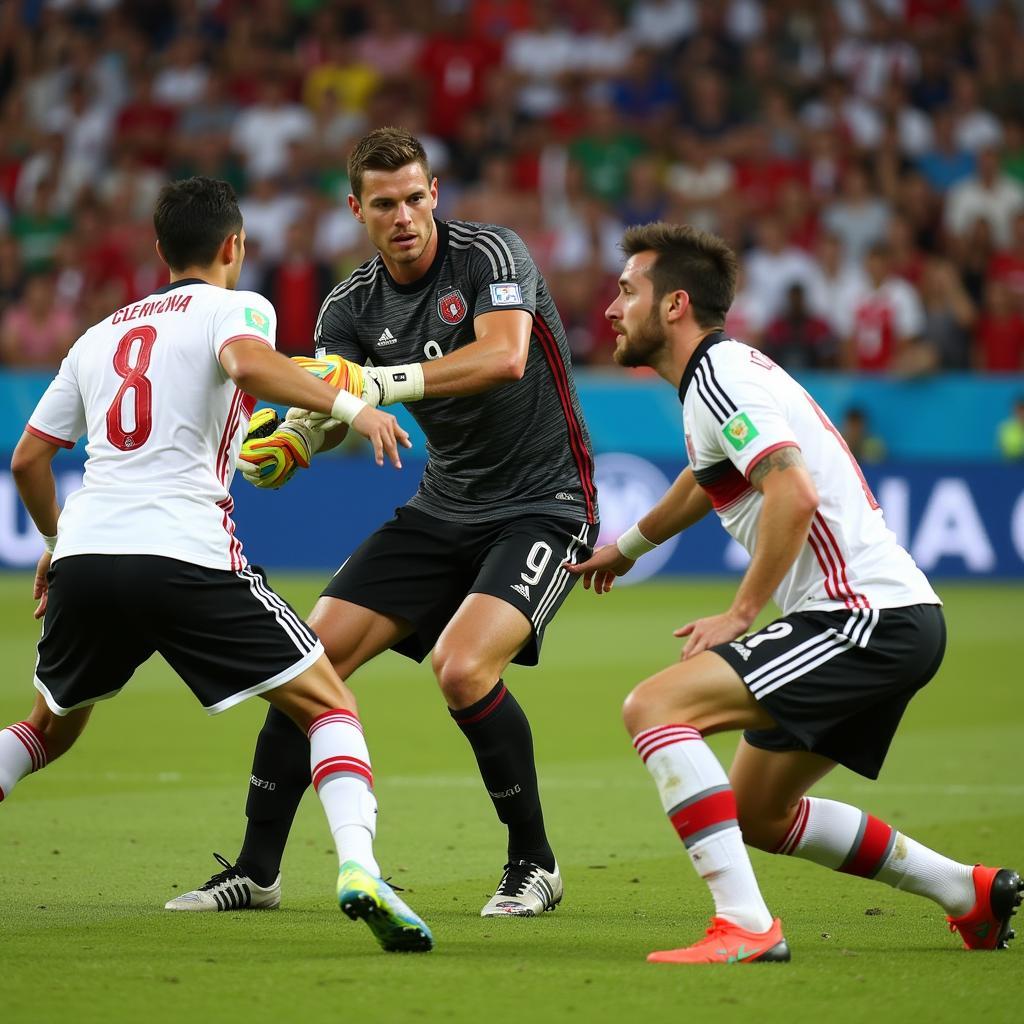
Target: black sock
280	775
499	734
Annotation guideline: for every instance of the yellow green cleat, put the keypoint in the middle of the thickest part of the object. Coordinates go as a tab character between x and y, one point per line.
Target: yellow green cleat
397	927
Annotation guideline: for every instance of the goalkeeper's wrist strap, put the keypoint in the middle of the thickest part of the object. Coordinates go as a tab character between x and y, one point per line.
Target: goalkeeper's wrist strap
399	383
346	407
633	543
50	542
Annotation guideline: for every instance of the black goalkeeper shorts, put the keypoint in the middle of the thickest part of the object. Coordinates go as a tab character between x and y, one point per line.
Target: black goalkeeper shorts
837	683
227	634
420	568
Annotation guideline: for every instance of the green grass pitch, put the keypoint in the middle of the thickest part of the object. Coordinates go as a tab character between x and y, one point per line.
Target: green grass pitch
91	848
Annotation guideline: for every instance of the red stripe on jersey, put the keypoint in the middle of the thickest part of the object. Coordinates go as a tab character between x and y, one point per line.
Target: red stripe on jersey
859	600
49	438
729	487
714	809
830	427
340	717
227	505
768	451
830	559
867	858
826	572
242	337
226	437
333	765
482	714
584	463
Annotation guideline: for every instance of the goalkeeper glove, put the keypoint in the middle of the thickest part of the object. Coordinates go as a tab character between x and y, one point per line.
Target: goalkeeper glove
375	385
273	450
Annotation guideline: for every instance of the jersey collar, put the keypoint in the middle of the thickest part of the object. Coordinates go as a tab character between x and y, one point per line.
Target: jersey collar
698	354
180	284
435	268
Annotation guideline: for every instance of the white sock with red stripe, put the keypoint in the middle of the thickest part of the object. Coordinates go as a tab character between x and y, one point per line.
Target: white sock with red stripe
699	801
22	751
340	764
846	839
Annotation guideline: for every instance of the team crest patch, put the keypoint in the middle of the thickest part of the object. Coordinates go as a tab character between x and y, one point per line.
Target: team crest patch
739	431
507	294
451	307
254	318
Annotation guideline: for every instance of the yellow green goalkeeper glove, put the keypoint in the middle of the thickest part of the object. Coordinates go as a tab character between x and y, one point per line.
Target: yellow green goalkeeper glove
272	450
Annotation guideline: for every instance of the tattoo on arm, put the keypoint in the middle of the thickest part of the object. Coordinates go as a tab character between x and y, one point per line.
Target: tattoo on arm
781	458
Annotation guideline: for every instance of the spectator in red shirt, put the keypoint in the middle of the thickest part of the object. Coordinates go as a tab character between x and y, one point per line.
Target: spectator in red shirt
297	285
455	64
146	125
999	340
1007	265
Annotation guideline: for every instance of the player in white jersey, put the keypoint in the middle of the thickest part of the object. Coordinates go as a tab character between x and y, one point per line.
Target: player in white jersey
144	558
861	629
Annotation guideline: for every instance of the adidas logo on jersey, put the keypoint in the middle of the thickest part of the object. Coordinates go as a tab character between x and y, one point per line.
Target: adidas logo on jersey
522	589
387	338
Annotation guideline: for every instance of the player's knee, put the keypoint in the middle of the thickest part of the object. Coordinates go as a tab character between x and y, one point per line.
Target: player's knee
646	708
463	677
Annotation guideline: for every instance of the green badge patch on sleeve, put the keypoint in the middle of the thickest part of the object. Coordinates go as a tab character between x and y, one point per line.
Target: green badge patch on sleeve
739	431
254	318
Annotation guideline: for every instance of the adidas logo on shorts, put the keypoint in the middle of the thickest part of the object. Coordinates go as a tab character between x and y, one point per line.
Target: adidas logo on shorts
522	589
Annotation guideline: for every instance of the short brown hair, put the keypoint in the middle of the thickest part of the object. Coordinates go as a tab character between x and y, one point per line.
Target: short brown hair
696	262
384	149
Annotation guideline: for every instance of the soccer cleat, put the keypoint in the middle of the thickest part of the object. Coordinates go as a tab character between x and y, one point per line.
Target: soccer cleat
229	890
998	893
728	943
364	897
525	890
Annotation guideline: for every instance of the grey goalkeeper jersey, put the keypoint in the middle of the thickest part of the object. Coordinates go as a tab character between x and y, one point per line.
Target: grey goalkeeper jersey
520	448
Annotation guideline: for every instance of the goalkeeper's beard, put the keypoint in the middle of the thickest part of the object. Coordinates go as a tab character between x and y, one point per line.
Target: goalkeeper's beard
412	255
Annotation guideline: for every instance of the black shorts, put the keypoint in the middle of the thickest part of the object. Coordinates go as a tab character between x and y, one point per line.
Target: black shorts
227	634
837	683
420	568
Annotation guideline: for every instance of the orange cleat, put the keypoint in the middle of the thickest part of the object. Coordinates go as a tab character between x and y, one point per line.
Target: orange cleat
728	943
998	893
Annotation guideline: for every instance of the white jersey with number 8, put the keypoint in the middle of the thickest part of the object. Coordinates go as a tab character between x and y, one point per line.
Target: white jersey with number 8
164	424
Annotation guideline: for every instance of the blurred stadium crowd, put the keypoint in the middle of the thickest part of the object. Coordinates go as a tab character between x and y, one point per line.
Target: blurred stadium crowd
865	158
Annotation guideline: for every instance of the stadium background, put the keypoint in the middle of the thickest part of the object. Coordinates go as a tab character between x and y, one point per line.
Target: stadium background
866	160
818	138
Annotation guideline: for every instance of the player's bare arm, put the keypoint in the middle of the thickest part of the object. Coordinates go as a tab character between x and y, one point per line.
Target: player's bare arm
31	467
271	377
790	501
682	505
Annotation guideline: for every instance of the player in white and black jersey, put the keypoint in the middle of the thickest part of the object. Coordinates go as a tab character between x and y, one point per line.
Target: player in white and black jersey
458	323
861	628
144	559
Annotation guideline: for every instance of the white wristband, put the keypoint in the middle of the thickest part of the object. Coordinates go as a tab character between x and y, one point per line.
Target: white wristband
633	543
50	542
399	383
346	407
